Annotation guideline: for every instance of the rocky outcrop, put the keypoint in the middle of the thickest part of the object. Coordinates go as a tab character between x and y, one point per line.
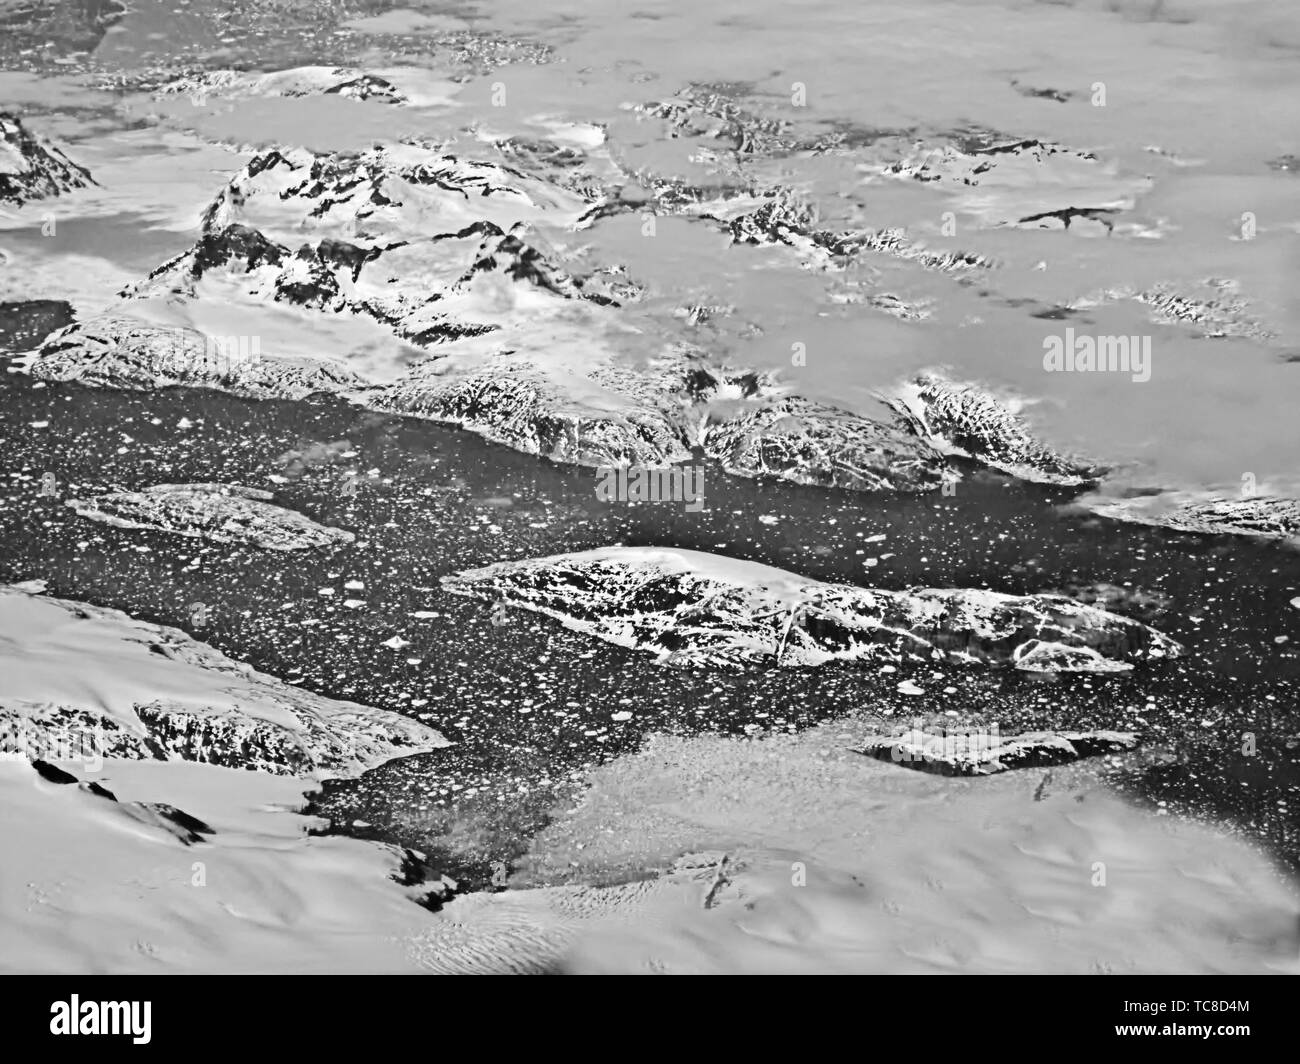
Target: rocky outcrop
298	81
807	442
223	513
596	412
713	113
700	112
1022	182
785	218
118	351
965	419
691	608
455	256
32	168
85	683
1259	516
159	815
983	753
524	406
419	241
1214	312
976	156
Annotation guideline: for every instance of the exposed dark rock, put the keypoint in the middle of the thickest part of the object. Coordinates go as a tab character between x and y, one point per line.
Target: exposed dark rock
711	112
573	165
782	218
1219	313
1222	315
981	753
404	235
182	826
417	870
44	731
181	818
117	351
25	324
808	442
294	82
699	112
1041	94
367	87
223	513
1066	215
966	420
52	772
973	156
692	609
229	714
32	168
894	242
188	829
524	408
1021	181
785	218
440	250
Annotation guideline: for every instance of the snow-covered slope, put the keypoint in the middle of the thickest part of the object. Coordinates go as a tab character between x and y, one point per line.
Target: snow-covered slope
96	885
31	167
79	681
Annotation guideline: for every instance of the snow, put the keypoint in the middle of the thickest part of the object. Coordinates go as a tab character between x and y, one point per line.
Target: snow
59	657
88	889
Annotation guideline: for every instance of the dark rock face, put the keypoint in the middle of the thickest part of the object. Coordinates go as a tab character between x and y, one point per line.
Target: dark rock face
447	253
1220	315
25	324
296	81
967	420
807	442
162	731
784	218
700	112
1260	516
649	418
367	87
1023	182
229	715
530	411
1212	309
414	239
691	608
711	112
52	773
186	828
32	168
224	513
977	155
116	351
984	753
894	242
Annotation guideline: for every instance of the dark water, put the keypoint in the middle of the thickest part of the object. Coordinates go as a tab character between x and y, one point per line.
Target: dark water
529	704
